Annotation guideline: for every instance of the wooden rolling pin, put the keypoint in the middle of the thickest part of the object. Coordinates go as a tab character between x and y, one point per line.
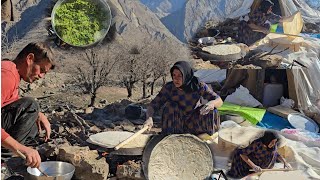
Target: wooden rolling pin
25	158
279	33
131	138
267	170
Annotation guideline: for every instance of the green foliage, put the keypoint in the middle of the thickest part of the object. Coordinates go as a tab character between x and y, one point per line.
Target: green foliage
80	22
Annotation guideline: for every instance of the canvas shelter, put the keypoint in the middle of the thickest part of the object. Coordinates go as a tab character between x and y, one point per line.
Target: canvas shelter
282	7
300	85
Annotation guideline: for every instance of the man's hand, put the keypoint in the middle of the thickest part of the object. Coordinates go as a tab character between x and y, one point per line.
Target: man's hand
33	157
43	122
149	123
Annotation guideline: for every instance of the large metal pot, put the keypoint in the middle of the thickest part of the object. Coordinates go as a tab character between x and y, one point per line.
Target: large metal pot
98	35
56	170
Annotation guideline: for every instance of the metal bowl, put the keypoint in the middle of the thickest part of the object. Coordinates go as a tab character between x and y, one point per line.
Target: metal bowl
98	35
55	169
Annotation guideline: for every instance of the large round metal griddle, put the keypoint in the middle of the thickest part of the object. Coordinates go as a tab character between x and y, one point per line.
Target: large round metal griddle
178	156
110	139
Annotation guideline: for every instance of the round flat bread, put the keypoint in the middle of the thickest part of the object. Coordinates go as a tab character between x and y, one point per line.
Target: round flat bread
223	49
180	157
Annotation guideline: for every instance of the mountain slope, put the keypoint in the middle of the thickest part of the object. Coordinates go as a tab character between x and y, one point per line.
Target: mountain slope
163	8
135	21
135	24
185	22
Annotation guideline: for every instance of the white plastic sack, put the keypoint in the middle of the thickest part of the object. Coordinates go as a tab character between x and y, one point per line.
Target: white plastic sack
207	40
243	10
228	124
242	97
289	103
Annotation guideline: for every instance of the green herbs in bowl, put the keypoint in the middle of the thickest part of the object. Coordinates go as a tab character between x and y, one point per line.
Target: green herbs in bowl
81	22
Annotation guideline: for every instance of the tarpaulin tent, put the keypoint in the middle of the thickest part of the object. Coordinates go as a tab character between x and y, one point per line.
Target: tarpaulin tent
286	8
302	85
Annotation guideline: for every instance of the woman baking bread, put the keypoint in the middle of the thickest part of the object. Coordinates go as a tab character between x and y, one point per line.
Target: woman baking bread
183	112
260	154
260	20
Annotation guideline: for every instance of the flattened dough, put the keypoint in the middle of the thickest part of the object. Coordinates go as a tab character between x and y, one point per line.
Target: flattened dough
283	175
295	26
110	139
222	49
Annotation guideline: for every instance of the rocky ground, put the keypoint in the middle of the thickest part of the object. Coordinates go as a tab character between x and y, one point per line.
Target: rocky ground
72	122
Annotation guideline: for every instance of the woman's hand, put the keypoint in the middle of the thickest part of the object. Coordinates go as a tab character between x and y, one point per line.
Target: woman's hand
43	122
287	165
266	31
149	123
207	108
210	106
257	168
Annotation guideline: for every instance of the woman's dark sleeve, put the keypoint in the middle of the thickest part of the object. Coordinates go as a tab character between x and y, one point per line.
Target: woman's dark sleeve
161	97
207	93
273	18
256	18
249	149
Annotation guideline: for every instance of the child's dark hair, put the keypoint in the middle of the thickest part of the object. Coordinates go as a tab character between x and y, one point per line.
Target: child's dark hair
265	5
268	136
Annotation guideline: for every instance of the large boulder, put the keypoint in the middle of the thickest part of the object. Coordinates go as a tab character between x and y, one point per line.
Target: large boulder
85	161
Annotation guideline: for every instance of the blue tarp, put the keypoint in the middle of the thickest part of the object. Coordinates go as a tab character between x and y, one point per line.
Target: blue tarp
272	121
279	29
311	35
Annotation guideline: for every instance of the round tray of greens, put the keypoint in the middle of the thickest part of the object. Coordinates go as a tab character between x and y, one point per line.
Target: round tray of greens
81	23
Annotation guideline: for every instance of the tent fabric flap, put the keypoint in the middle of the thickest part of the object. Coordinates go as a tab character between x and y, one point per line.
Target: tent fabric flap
253	115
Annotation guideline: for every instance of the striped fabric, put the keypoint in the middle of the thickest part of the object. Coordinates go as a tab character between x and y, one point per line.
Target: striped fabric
181	113
258	153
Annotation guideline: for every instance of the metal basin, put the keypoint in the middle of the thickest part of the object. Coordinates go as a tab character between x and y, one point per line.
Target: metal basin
56	170
70	28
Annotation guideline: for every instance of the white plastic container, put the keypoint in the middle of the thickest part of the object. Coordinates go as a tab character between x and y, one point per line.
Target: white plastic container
272	94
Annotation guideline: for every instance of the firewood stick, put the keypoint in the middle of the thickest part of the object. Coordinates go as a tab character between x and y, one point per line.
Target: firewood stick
79	119
77	138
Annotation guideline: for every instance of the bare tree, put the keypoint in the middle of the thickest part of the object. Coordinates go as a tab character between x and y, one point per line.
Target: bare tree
8	43
130	69
160	64
147	63
94	72
145	74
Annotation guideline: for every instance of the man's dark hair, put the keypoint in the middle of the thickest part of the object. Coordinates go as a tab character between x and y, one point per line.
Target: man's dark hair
41	52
